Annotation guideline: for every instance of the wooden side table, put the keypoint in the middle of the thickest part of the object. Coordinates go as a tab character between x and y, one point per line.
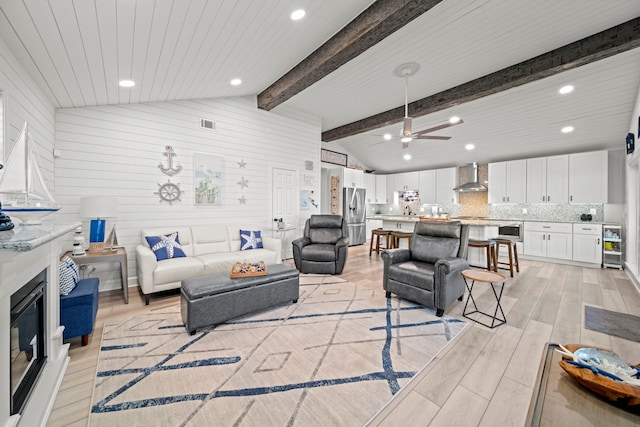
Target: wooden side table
492	279
120	255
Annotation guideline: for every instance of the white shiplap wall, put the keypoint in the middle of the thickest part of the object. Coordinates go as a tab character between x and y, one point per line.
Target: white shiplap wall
115	151
24	102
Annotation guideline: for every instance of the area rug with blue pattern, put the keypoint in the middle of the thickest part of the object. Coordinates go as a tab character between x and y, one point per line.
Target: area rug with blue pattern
334	358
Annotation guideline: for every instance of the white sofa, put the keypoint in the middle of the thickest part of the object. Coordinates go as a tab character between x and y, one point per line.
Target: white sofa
209	248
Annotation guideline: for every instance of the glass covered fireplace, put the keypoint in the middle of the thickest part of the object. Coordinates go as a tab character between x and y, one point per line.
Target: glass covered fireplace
27	347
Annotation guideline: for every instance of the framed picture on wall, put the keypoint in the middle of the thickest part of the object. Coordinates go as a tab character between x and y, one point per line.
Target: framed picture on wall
334	157
207	179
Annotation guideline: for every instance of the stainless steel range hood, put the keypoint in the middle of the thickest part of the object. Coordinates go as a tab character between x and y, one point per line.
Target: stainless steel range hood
472	183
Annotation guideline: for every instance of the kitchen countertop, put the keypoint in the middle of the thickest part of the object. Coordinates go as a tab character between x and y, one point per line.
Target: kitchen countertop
472	221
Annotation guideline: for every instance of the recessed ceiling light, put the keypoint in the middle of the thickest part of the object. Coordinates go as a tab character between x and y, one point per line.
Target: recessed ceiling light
567	129
566	89
469	147
387	136
298	14
127	83
454	119
236	82
407	156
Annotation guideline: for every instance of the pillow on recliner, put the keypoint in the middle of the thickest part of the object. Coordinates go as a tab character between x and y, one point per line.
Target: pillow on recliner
431	249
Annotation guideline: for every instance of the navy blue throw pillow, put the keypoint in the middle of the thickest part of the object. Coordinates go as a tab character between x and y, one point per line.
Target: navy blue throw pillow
250	240
166	247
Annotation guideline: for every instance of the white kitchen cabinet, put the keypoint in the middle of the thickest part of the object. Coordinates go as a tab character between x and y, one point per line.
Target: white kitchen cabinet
381	189
588	173
446	181
391	189
548	239
406	181
370	187
508	182
548	179
392	225
587	243
436	186
352	178
427	187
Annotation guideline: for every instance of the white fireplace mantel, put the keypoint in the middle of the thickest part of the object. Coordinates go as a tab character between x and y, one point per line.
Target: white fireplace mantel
20	262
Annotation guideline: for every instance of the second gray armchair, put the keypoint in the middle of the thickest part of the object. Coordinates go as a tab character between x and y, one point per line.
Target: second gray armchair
430	271
323	247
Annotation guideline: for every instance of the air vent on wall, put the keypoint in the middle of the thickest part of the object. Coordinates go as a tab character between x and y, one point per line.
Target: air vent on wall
207	124
308	165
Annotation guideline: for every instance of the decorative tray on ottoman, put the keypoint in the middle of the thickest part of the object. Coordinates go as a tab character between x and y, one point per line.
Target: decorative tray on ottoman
598	377
248	269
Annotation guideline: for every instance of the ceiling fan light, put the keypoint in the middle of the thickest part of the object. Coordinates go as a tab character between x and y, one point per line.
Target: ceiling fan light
406	126
565	89
298	14
127	83
406	139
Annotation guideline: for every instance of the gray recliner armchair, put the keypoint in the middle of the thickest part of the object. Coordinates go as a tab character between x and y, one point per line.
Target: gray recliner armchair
430	271
323	247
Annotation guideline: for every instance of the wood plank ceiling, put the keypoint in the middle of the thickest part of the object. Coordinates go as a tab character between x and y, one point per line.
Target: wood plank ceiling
77	50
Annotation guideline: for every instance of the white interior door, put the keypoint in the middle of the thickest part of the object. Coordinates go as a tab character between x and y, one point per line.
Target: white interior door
285	205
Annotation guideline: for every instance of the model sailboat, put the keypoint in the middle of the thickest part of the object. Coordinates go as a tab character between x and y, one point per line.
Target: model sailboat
23	192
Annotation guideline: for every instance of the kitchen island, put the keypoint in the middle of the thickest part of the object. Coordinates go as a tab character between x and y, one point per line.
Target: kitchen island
479	228
566	242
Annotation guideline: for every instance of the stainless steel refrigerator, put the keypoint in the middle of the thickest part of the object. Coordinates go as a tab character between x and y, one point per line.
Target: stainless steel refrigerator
354	213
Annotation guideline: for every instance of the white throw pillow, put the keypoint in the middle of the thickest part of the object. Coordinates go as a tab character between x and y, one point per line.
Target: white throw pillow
69	275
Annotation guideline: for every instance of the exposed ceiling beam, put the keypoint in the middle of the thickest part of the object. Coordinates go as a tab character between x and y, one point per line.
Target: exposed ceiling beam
598	46
378	21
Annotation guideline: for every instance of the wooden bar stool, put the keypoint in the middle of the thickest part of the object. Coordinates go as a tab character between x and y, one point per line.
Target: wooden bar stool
490	247
513	254
397	235
377	233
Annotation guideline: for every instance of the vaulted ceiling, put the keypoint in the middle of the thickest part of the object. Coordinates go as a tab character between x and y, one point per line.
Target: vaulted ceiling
78	50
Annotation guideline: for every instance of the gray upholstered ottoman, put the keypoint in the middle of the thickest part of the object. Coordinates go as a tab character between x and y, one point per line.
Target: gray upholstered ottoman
209	300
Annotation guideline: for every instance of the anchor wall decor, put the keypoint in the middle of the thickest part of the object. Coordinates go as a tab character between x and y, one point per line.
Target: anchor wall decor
170	169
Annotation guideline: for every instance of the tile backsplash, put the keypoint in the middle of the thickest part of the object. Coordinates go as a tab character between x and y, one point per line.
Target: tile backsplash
475	205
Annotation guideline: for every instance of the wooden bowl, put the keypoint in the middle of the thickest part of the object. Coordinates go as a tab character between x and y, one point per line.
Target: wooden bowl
623	395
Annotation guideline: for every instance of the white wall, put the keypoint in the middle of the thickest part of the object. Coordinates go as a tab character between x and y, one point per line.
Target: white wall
632	213
115	151
24	102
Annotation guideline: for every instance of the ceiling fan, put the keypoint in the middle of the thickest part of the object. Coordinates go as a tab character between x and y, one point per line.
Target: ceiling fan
407	70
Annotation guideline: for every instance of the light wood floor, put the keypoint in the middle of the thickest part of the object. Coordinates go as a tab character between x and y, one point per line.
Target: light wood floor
484	378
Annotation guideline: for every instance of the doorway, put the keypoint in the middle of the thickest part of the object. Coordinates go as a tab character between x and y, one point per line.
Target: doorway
284	204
